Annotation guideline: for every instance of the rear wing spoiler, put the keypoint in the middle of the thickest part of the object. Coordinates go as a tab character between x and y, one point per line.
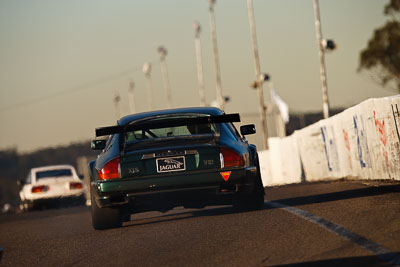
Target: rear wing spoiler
164	123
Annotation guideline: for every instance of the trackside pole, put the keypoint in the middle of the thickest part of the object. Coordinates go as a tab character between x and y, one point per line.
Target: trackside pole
322	69
259	83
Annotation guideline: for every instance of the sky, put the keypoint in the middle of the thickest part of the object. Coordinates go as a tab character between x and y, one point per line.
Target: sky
62	62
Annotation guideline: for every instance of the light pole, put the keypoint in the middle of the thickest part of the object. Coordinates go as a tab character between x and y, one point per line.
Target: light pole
260	78
163	54
322	69
197	30
131	98
147	71
220	98
116	100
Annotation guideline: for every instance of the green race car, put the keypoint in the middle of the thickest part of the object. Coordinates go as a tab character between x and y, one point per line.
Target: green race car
190	157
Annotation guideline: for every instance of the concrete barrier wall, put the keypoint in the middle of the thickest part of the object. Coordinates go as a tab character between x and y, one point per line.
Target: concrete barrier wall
362	142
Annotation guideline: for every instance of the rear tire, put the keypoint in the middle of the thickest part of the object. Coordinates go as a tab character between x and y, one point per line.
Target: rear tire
255	200
27	206
105	218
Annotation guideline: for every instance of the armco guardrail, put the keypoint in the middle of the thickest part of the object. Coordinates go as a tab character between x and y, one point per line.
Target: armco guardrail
362	142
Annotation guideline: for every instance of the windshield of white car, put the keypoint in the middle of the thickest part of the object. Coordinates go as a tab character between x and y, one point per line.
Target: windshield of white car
53	173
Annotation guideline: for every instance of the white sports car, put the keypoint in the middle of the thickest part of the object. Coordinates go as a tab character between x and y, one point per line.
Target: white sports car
46	186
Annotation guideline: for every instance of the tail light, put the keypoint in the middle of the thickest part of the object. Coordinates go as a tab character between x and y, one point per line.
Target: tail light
40	189
75	185
111	170
229	158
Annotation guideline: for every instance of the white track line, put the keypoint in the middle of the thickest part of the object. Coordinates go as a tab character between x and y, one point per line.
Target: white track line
380	251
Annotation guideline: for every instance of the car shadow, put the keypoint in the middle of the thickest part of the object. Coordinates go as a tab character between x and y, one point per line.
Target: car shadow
350	261
181	215
341	195
295	201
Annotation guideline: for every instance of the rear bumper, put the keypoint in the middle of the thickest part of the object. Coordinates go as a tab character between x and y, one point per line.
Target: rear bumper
54	201
199	189
46	196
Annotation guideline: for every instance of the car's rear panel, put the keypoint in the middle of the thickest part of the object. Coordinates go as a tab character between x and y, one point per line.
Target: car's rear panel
164	169
201	176
161	162
176	182
55	188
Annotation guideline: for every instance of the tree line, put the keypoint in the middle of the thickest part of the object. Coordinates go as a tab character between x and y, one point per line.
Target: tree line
381	57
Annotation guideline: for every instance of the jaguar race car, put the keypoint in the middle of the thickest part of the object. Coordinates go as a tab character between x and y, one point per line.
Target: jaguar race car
190	157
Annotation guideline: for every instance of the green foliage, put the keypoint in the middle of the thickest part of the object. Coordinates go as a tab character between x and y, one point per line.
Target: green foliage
392	7
382	55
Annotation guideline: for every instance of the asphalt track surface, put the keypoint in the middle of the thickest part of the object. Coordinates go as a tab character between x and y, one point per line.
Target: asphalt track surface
345	223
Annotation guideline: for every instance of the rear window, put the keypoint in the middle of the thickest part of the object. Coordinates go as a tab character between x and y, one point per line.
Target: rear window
170	132
53	173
